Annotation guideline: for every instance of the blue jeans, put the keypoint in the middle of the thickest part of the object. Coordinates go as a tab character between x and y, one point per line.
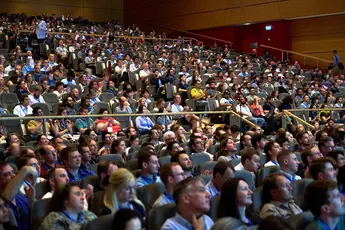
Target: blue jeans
257	120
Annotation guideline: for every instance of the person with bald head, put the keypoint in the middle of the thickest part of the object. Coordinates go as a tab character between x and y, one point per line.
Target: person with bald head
123	106
49	155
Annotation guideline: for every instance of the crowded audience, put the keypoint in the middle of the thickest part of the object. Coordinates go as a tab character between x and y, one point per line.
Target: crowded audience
166	171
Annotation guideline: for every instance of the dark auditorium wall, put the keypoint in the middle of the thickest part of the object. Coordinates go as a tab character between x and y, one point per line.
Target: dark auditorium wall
97	10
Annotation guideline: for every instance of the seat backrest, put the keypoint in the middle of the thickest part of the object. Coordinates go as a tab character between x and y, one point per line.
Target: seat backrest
40	209
205	166
132	164
11	159
110	157
213	212
45	108
50	98
96	203
234	162
102	222
213	149
247	176
257	199
159	215
199	158
41	189
92	180
148	194
298	188
164	160
264	172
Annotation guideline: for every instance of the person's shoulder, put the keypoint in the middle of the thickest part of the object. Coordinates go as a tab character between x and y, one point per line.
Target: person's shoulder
316	225
170	224
89	215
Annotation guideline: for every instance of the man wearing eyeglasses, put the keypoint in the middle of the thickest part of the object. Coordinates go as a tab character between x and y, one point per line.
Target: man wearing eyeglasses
326	145
49	155
192	201
10	185
170	175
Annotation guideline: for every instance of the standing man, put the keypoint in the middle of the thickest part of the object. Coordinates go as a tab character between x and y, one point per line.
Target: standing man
336	58
40	31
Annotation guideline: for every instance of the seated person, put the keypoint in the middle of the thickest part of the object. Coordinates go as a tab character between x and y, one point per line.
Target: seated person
104	170
192	202
289	165
120	194
36	96
56	177
67	209
272	150
308	155
198	94
277	197
71	159
236	195
85	123
23	109
148	163
227	150
221	173
126	219
108	124
10	185
183	159
49	155
250	161
327	205
35	127
170	174
323	169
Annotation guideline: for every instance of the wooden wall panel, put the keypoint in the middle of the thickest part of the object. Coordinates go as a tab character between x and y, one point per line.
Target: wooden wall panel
173	12
318	36
100	10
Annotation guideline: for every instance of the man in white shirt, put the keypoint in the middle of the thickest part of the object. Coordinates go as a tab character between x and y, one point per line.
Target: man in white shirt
135	65
250	161
221	173
243	109
23	109
40	31
289	165
188	119
144	73
36	96
272	150
170	175
11	65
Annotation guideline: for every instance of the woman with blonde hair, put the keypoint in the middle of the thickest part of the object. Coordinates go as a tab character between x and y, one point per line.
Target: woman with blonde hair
120	194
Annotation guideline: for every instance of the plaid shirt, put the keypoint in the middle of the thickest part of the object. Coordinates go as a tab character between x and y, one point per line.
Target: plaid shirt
279	209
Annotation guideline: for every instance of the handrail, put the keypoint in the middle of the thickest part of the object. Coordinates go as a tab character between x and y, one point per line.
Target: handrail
103	35
5	118
297	53
192	33
298	119
191	38
244	119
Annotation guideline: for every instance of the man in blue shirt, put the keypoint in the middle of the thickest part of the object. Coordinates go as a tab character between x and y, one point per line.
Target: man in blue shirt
306	102
327	205
336	58
71	158
192	200
148	163
170	174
